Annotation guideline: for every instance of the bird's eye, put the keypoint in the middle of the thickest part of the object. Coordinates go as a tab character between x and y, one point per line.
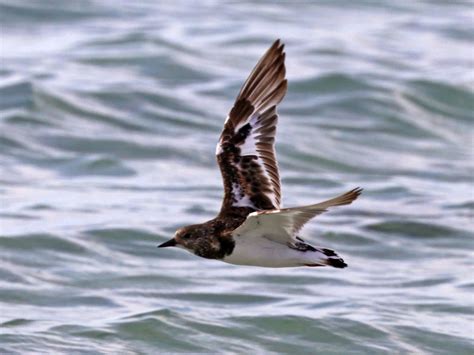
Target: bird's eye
186	236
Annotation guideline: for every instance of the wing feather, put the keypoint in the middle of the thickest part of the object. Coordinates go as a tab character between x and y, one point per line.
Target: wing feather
245	151
282	225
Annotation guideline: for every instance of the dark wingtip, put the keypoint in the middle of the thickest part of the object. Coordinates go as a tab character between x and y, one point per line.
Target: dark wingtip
278	44
337	263
354	194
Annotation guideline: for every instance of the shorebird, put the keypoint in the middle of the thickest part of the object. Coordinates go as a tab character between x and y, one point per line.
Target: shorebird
251	227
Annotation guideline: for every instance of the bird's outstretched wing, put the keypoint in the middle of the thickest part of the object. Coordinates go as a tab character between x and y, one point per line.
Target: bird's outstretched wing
245	151
283	225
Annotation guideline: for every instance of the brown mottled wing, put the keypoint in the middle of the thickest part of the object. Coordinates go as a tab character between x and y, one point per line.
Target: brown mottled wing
245	151
282	225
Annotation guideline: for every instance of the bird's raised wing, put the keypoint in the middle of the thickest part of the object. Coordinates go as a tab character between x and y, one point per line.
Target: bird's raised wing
283	225
245	151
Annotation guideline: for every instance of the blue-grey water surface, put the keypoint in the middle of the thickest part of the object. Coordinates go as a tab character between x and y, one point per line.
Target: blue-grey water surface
110	112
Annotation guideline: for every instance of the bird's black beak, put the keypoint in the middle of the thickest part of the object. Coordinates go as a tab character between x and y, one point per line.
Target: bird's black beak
169	243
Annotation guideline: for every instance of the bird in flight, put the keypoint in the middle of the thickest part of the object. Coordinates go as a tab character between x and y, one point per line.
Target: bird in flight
251	227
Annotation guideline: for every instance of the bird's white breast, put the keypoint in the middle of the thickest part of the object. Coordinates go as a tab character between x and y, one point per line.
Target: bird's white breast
260	251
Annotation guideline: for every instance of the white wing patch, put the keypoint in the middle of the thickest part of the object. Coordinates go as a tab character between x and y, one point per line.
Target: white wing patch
241	200
254	160
249	148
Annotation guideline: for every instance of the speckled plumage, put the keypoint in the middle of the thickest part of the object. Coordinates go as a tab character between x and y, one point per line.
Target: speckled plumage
251	228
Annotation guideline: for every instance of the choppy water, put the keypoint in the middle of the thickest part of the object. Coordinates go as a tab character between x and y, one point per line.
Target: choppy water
110	111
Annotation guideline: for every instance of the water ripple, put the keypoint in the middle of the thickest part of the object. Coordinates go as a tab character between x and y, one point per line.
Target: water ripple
109	116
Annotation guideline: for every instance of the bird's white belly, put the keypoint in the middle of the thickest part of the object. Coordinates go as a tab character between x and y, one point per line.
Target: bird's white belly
260	251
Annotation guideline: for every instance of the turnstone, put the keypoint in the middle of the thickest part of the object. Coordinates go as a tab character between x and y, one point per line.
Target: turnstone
251	228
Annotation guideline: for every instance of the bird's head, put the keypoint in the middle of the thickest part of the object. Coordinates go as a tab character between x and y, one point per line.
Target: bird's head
186	237
201	240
